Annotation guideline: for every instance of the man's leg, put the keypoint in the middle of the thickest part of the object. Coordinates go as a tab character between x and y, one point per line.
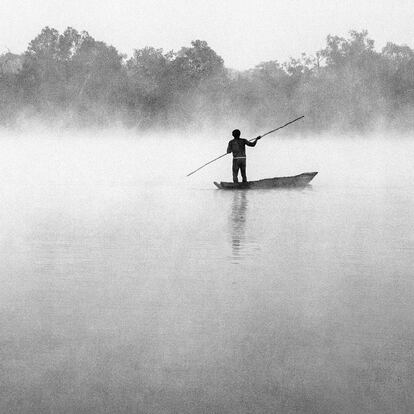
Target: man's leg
235	171
243	170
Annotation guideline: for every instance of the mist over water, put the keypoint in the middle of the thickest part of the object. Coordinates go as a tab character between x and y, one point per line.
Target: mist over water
127	287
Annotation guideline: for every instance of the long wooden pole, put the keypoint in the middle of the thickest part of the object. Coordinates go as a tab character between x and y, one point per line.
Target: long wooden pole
267	133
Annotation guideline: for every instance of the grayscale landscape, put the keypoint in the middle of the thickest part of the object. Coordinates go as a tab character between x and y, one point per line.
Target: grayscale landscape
129	287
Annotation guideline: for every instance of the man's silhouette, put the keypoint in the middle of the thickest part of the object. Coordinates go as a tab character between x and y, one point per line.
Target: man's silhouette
238	147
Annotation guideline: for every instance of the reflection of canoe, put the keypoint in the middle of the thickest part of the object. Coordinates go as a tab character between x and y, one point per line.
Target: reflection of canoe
296	181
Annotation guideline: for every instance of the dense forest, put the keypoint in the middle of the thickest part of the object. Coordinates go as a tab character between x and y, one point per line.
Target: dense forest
74	80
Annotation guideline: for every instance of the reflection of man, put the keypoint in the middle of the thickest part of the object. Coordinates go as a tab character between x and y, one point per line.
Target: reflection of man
238	147
238	223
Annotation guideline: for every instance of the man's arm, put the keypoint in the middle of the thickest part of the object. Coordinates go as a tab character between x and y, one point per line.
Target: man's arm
252	144
229	148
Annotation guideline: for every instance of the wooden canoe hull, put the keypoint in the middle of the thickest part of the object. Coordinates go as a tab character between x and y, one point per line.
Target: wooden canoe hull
300	180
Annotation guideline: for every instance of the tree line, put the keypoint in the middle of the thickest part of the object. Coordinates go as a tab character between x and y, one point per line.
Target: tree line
72	78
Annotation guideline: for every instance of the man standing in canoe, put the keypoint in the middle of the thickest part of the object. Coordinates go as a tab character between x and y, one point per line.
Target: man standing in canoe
238	147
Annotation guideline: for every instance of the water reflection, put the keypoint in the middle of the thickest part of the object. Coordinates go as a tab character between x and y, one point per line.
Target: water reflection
238	216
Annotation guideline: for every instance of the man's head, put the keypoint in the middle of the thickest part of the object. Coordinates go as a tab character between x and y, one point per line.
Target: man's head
236	133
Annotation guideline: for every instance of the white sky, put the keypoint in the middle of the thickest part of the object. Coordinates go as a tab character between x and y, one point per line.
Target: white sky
243	32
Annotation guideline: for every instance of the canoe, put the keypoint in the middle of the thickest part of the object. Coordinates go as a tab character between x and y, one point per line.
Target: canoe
300	180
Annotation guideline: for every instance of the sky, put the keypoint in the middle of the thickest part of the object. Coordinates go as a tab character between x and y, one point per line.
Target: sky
243	32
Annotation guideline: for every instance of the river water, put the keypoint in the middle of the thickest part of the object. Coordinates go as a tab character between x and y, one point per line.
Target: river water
127	287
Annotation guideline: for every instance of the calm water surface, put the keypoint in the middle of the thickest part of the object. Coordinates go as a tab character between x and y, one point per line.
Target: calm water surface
128	288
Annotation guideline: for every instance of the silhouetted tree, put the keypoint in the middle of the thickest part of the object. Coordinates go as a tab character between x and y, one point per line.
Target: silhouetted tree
347	84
